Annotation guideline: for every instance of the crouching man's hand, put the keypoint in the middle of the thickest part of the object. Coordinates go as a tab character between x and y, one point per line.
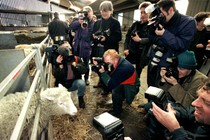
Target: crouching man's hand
102	70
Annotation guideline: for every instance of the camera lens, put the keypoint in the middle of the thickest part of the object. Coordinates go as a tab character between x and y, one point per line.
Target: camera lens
84	24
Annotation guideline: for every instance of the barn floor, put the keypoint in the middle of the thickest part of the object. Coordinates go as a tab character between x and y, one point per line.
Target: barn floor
80	127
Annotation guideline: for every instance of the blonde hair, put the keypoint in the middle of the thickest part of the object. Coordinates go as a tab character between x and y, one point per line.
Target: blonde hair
112	53
87	8
144	4
106	6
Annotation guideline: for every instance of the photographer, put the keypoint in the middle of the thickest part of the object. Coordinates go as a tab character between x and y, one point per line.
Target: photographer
200	41
123	80
106	31
83	28
69	72
134	50
171	33
58	30
181	124
181	86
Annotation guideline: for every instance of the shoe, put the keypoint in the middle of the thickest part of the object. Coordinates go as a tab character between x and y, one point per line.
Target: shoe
81	102
112	112
87	82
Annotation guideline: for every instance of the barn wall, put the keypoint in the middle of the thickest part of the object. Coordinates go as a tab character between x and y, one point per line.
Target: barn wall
196	6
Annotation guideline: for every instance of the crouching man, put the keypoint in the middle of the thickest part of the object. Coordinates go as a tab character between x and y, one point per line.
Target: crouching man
184	124
123	80
69	72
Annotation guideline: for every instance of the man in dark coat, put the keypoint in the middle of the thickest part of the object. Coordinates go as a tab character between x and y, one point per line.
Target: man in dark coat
106	31
58	30
134	50
201	38
172	36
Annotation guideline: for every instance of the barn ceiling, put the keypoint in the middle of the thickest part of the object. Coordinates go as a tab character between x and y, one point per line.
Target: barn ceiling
119	5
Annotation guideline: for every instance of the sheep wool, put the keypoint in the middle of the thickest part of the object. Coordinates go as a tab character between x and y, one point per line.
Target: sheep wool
54	101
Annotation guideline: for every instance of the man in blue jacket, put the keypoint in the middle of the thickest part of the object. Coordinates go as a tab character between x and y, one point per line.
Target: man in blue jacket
83	28
123	80
172	35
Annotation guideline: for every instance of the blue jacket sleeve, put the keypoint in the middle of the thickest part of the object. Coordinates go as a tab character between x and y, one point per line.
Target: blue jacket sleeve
181	39
75	26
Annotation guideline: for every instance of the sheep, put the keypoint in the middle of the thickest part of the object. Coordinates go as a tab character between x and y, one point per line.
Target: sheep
27	48
53	101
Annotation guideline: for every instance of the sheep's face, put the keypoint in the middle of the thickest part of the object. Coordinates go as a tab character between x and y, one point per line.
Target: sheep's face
62	100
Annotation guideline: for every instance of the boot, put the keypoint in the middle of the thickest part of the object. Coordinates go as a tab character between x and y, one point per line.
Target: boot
81	102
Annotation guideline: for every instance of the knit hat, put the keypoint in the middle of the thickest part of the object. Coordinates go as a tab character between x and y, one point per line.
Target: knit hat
187	60
64	50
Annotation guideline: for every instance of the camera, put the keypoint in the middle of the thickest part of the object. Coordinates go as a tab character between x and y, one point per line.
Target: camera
156	95
101	33
52	52
96	68
110	127
156	19
171	69
133	33
85	18
155	16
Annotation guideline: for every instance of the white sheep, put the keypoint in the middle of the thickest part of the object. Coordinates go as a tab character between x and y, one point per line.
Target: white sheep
54	101
27	48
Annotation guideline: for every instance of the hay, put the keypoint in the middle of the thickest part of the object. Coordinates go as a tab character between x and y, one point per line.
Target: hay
80	127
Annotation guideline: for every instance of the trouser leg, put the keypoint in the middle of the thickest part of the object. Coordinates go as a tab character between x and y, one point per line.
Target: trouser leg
117	98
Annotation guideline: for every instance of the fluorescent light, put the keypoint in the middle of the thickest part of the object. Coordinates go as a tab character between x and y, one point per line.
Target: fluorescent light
207	21
181	6
55	1
75	8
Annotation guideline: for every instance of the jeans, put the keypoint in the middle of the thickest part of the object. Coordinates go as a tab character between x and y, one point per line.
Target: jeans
79	85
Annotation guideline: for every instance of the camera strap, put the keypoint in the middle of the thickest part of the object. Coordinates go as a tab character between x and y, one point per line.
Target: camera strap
105	24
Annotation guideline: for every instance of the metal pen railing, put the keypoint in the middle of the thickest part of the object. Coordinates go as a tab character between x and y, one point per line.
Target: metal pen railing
38	81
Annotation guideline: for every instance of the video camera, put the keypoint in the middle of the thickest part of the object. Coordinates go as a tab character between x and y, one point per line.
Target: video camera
96	68
85	18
